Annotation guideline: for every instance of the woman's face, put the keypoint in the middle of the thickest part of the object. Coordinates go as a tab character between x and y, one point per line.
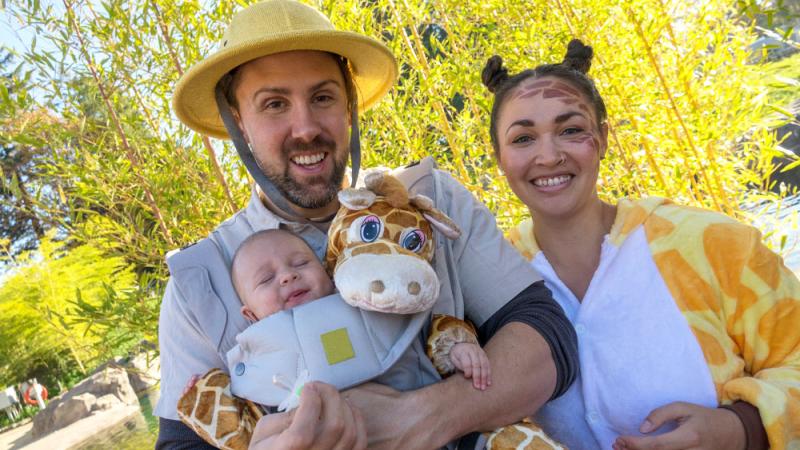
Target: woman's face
550	146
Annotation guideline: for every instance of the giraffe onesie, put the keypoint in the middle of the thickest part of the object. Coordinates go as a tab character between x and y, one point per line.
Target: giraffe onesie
740	308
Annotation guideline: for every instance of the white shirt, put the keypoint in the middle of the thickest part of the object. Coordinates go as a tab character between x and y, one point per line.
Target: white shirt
636	349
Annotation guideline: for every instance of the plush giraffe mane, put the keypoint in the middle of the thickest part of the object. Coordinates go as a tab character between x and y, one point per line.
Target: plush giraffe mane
380	244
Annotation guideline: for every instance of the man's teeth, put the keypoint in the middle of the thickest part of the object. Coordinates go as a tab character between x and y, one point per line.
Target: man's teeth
305	160
554	181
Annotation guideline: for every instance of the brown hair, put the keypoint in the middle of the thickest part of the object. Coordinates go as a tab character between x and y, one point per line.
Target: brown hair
573	69
230	81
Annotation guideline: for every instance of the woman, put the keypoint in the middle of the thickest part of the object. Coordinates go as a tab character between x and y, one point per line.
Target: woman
677	310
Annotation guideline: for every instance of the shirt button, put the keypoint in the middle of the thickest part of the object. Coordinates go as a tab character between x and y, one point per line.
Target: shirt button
580	328
239	369
592	417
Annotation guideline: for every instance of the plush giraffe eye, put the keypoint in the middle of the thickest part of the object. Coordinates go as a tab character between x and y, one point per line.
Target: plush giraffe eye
413	240
371	228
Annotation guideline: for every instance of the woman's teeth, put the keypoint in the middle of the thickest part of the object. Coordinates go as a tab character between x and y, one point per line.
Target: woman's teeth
306	160
553	181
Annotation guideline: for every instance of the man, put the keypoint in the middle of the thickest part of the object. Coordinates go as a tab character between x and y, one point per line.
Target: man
284	81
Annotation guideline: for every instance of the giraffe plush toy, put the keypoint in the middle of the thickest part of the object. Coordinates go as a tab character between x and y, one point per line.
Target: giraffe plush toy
380	245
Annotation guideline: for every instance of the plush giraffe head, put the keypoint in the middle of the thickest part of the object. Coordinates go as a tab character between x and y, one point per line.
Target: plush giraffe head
380	245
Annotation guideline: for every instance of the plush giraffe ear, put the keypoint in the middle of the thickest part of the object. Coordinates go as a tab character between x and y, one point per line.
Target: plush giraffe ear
439	220
356	199
387	186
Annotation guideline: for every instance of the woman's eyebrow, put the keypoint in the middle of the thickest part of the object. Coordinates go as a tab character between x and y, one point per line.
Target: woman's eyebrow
561	118
522	123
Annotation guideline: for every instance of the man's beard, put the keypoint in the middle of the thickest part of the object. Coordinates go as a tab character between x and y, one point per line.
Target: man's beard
315	192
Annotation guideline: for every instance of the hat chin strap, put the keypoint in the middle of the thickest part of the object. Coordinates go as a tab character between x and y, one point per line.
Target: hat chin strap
268	187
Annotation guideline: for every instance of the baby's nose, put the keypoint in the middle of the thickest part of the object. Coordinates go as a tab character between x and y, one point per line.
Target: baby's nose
288	277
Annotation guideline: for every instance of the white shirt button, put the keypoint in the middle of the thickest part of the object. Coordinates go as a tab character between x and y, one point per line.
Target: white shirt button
580	329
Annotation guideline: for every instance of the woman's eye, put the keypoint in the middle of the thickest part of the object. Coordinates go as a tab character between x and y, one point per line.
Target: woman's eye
522	139
371	229
571	130
413	240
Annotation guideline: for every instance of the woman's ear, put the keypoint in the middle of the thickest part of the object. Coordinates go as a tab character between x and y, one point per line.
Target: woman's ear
248	314
603	140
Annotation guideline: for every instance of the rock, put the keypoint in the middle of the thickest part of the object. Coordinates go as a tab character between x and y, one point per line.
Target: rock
105	402
110	380
144	371
72	410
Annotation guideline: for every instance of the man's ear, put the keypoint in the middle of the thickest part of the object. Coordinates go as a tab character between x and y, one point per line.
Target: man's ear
248	314
603	140
240	124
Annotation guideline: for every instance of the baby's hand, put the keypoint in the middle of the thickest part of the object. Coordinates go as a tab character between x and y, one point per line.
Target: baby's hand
190	384
472	360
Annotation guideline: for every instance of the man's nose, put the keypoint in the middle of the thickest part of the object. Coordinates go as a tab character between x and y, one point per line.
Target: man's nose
305	124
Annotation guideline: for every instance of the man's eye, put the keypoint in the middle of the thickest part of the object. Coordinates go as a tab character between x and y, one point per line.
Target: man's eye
274	104
323	98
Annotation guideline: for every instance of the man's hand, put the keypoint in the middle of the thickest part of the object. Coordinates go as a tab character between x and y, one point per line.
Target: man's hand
698	428
390	413
524	377
472	361
324	420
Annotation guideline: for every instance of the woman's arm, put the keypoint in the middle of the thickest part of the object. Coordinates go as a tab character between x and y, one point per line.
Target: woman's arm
743	305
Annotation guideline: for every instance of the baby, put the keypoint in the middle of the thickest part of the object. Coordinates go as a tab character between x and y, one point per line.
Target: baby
275	270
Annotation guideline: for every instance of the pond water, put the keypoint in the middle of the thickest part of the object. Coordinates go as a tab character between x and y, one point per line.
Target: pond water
139	432
781	225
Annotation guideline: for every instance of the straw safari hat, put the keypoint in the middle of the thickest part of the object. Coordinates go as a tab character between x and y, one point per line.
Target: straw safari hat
276	26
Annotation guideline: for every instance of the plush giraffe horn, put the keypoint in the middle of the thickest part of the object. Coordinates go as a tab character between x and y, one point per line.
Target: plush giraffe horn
438	219
389	187
356	199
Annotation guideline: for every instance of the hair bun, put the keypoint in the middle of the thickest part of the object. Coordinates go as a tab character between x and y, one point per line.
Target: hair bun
578	57
494	74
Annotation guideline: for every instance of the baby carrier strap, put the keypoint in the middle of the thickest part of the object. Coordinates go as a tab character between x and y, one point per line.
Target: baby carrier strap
202	275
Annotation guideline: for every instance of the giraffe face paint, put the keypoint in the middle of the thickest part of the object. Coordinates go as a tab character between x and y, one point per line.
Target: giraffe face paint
550	146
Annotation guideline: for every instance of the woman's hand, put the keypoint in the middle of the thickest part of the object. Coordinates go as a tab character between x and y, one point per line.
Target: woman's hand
324	420
698	428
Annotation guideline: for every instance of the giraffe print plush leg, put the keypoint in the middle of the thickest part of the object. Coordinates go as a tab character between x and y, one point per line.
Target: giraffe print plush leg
222	420
523	435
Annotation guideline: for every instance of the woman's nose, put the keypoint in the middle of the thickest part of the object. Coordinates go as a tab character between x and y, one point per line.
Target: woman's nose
548	152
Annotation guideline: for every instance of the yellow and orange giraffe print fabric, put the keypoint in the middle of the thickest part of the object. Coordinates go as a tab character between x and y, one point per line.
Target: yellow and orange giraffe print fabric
741	302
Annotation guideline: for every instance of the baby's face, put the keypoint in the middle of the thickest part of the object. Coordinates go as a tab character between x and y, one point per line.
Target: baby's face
279	272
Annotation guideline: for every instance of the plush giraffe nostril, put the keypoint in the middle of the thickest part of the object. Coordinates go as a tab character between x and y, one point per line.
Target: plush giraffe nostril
413	288
376	286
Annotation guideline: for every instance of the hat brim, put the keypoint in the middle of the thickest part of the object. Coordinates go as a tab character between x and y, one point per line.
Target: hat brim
373	65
